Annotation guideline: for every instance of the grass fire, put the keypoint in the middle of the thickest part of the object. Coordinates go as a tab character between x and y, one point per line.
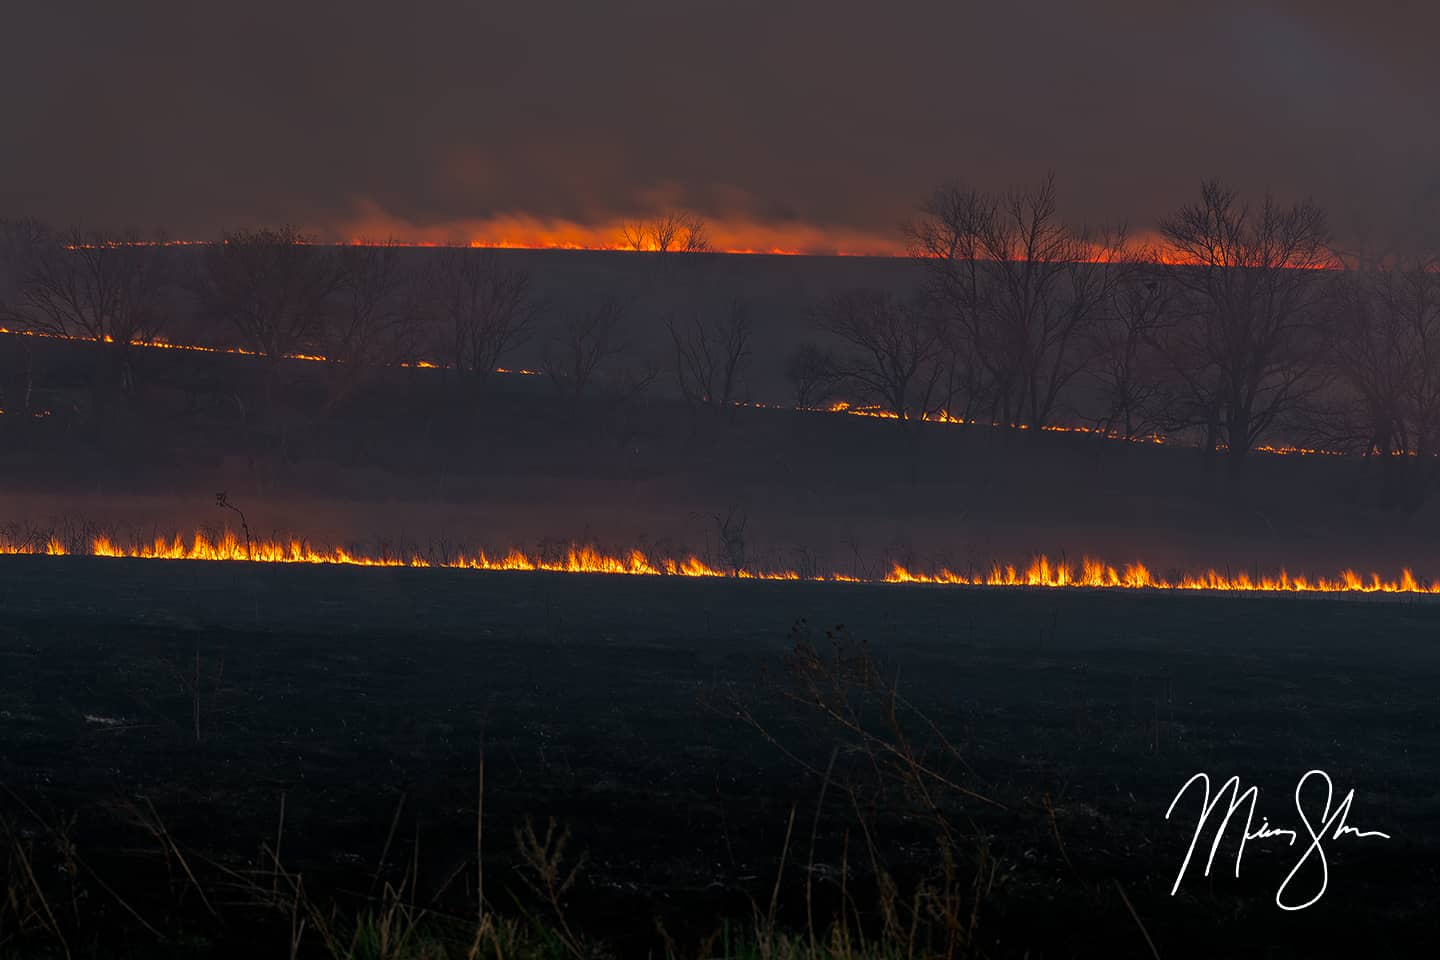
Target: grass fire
1039	572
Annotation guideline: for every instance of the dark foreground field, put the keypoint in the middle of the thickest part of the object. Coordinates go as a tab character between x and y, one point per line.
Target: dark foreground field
650	717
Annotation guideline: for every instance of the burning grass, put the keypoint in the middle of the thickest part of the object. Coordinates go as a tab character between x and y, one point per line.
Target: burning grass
1040	572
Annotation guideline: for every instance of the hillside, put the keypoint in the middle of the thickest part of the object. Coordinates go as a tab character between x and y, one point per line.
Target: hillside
414	456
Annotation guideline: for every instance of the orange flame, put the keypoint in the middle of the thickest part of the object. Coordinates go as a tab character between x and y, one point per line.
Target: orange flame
1041	572
731	235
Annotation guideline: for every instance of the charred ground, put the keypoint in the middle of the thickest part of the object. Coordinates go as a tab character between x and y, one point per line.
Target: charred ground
616	705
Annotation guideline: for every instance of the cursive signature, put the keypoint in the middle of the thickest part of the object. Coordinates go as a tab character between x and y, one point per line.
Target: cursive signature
1331	825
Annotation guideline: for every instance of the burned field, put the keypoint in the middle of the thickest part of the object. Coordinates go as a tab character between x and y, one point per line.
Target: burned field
183	740
460	751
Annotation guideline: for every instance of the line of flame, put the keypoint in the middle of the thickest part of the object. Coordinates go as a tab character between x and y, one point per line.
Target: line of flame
160	343
1041	572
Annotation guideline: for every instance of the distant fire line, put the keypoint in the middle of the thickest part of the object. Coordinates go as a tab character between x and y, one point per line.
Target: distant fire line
614	247
837	407
161	344
1100	257
1039	573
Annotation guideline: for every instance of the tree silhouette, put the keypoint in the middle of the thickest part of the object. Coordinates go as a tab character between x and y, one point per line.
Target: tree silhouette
813	375
1126	365
271	286
94	285
486	309
710	354
896	349
1246	333
368	323
1020	288
665	233
583	341
1384	359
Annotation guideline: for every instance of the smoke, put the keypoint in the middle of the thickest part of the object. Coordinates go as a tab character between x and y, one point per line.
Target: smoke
806	117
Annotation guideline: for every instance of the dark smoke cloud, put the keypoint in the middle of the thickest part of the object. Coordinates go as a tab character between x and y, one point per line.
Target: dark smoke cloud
844	113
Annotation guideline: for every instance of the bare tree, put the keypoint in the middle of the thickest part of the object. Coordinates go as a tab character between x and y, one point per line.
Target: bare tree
897	350
812	373
1127	367
370	288
961	390
668	232
271	285
1021	290
367	325
486	308
1384	357
1244	347
710	354
93	285
582	343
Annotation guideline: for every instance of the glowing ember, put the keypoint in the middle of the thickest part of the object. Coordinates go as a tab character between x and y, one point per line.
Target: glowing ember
1041	572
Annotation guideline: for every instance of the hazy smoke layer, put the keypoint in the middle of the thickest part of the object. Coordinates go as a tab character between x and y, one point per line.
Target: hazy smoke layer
840	114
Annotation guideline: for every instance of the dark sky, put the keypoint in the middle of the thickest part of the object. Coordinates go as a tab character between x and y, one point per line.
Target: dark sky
838	115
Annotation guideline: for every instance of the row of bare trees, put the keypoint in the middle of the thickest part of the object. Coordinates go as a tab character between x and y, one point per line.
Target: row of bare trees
667	232
280	292
1246	329
359	306
1015	307
1237	325
109	288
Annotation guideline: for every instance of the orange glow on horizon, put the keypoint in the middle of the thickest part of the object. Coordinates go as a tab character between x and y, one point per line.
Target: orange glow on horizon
1039	573
736	236
732	238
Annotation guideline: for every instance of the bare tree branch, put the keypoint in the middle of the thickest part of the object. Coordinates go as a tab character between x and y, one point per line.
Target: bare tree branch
668	232
93	285
1021	290
486	309
1383	355
270	285
813	374
1248	296
582	343
897	350
710	354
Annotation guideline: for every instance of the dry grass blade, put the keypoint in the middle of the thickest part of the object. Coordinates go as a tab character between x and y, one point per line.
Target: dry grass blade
814	830
1143	932
124	905
161	833
546	876
769	929
50	921
385	850
279	836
